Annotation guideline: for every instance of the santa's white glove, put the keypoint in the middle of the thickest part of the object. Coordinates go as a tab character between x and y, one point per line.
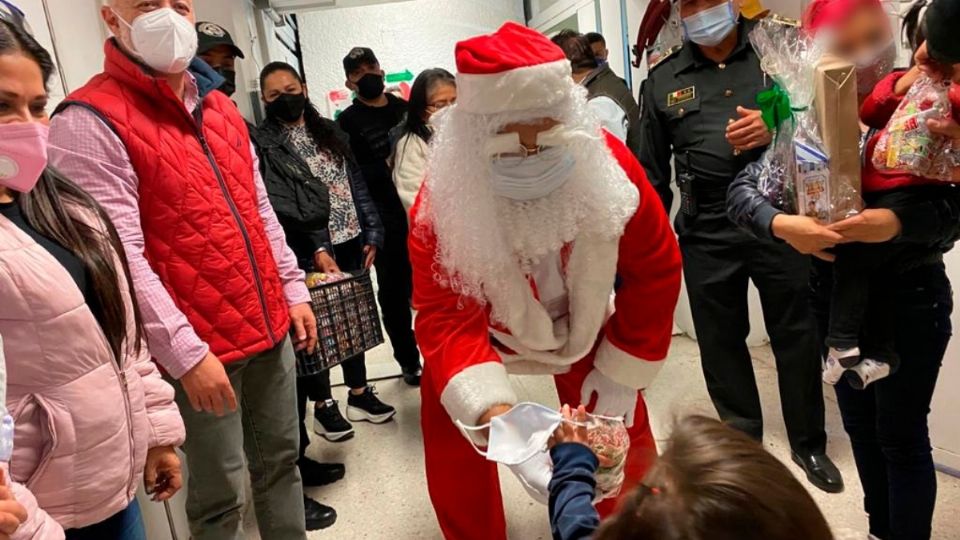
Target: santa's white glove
613	398
535	474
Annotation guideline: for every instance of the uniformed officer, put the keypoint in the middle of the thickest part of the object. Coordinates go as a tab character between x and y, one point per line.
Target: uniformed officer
698	107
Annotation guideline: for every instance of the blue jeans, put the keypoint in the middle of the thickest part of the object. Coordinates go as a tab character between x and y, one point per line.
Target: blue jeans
887	422
124	525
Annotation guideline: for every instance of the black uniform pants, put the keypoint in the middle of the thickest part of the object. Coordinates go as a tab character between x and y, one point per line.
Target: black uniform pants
395	282
718	262
316	388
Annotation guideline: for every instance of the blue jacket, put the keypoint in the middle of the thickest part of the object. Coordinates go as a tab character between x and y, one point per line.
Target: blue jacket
572	488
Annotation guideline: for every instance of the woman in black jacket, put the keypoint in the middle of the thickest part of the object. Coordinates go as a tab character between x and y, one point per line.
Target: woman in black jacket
300	150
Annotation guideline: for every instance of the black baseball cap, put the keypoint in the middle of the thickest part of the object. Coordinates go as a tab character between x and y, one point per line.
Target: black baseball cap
357	57
211	35
941	23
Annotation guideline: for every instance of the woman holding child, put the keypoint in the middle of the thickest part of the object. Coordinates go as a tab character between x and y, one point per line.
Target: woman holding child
886	420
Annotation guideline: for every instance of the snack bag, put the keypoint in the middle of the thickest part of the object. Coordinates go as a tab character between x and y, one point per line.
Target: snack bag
907	144
610	441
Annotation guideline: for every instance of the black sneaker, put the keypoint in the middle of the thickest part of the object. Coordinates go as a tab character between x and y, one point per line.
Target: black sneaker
330	424
319	516
368	407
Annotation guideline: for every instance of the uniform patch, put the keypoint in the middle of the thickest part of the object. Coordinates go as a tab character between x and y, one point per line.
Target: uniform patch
681	96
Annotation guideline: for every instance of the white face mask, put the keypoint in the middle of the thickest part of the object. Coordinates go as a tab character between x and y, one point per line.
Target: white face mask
518	434
532	177
162	39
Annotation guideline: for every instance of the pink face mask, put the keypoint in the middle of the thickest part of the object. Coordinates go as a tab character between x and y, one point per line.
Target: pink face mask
23	154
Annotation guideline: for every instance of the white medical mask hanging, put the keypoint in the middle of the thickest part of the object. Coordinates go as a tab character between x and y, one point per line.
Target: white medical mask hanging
162	39
518	434
710	26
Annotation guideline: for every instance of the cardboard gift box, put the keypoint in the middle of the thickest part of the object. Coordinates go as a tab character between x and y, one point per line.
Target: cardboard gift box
834	196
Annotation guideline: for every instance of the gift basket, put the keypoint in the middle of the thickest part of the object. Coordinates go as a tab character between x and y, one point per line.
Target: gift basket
907	144
812	167
348	322
609	440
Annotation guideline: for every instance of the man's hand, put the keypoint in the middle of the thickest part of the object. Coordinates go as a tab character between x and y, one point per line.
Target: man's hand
304	327
161	474
323	262
873	226
369	255
12	513
805	234
613	398
209	388
749	131
485	418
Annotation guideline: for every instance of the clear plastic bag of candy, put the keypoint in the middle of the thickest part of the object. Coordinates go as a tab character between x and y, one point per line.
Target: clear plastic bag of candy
907	144
788	56
609	440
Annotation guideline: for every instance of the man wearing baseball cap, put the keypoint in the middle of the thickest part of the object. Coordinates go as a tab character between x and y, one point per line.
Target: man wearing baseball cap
216	47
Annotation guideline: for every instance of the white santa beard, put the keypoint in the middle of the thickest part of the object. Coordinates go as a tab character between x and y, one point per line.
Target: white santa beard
483	239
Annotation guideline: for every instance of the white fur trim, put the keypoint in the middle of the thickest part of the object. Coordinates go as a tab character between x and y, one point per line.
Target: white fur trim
474	390
625	368
533	87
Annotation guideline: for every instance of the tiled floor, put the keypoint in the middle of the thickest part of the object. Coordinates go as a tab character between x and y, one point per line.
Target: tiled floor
384	495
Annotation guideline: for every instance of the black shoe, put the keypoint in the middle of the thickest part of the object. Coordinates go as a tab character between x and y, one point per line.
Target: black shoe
319	516
317	474
330	424
821	472
411	376
368	407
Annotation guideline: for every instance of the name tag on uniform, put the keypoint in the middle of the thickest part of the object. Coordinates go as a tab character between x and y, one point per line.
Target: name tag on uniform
681	96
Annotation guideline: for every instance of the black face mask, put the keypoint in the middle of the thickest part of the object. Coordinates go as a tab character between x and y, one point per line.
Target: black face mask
370	86
287	107
229	87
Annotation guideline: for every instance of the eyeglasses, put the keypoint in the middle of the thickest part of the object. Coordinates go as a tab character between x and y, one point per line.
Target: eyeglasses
436	106
13	15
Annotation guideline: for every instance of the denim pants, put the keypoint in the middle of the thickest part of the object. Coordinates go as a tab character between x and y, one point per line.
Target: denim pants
887	422
264	431
126	524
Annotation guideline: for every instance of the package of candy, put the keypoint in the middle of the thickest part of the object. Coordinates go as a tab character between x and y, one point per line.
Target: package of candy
610	441
907	145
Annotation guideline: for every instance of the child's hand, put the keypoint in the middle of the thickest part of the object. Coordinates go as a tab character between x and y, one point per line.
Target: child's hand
570	432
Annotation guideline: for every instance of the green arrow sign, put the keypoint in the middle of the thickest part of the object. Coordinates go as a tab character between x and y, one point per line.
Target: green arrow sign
402	76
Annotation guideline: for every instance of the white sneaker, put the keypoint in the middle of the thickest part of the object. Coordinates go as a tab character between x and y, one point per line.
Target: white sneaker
866	372
832	370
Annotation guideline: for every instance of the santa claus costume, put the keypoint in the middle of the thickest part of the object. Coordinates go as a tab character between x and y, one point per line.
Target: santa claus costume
516	262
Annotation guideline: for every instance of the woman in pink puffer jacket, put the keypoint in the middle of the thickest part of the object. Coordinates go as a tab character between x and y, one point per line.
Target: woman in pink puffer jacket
92	415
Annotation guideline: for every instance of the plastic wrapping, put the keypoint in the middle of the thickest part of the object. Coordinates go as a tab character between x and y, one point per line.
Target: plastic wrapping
797	174
907	145
610	441
788	56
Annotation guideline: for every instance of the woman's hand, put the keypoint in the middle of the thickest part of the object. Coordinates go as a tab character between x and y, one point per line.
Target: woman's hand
872	226
12	513
161	474
369	255
325	263
806	235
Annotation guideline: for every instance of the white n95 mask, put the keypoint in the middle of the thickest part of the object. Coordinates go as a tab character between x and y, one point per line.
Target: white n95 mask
518	434
162	39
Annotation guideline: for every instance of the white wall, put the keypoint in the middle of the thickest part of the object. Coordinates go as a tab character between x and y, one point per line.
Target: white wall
411	35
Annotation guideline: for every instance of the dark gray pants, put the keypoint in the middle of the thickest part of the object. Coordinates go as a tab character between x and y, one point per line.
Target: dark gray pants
260	437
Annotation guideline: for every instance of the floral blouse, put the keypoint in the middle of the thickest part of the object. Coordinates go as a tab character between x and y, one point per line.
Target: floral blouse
344	221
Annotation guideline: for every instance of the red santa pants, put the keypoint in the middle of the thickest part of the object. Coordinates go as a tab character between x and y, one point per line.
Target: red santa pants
464	486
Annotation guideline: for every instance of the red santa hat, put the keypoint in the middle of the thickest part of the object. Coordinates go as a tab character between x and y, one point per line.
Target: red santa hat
514	69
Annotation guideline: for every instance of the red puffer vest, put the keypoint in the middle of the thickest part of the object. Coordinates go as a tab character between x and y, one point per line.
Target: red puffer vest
198	205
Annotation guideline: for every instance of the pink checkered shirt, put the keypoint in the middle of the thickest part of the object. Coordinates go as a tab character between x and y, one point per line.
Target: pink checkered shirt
88	152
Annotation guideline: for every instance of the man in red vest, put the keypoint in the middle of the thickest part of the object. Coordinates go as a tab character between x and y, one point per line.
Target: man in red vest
170	160
531	220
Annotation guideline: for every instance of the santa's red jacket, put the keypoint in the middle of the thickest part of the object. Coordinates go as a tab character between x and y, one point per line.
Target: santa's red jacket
468	359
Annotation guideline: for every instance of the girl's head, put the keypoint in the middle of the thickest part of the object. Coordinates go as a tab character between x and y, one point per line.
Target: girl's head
433	90
50	202
859	31
287	101
714	483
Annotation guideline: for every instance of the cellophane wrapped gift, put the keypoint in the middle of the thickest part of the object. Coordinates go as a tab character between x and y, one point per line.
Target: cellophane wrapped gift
609	440
907	144
796	173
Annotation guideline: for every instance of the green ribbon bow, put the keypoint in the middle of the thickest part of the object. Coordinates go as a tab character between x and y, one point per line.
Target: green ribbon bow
774	106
